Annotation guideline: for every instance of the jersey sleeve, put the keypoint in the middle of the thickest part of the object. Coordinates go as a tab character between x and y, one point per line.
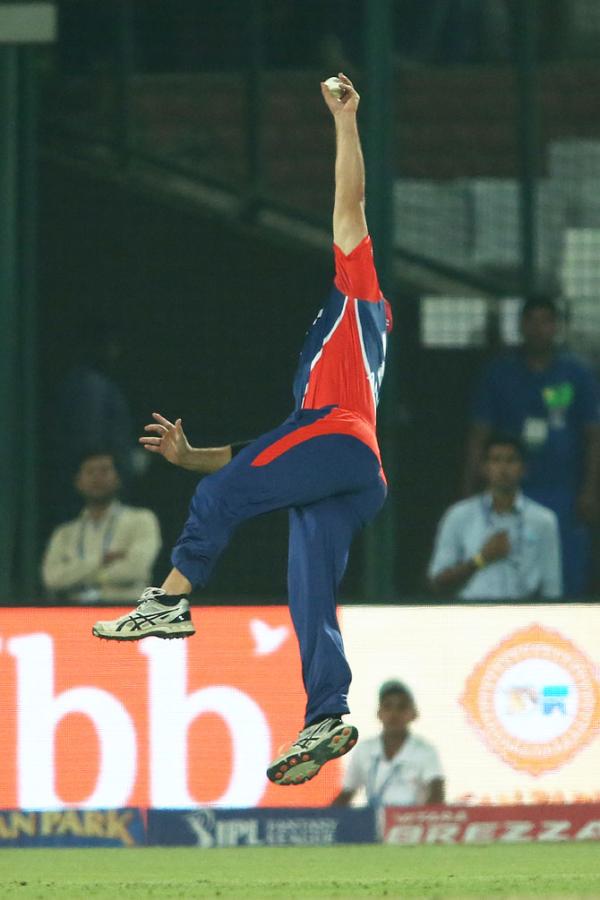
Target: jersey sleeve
355	273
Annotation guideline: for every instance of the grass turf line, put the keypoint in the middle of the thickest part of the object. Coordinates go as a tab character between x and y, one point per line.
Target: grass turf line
509	871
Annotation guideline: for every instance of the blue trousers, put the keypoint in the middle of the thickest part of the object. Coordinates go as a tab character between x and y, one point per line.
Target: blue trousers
332	486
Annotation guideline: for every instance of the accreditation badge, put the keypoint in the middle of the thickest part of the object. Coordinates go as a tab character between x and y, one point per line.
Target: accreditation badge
535	432
558	399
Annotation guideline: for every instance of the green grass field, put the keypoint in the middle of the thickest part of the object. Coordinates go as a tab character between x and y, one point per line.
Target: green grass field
522	870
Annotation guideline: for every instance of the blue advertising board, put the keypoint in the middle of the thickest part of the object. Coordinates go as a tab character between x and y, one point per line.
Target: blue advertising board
72	828
213	827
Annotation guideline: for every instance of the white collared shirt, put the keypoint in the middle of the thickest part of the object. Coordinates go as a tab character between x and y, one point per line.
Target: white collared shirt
533	566
400	781
74	564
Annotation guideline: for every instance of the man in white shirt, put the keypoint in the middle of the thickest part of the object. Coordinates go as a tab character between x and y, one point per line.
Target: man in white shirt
396	768
499	545
107	552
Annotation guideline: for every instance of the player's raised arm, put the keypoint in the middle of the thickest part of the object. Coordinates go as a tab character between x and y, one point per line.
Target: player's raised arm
349	222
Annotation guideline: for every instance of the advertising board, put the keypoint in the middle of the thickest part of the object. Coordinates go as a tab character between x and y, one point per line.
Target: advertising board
88	723
72	828
209	827
509	695
492	824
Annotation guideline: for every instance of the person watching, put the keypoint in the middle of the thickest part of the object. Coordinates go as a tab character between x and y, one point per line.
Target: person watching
396	768
548	399
107	552
498	545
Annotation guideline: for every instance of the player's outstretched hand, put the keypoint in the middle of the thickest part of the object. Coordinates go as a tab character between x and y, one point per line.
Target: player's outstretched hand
347	104
170	440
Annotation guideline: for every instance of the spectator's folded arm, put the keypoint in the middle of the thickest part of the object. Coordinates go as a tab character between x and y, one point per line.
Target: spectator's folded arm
139	555
61	569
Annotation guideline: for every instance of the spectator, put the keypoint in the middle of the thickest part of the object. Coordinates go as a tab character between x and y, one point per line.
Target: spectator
88	404
396	768
108	551
549	399
498	545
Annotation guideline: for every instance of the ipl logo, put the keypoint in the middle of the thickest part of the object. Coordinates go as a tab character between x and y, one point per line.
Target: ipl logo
534	699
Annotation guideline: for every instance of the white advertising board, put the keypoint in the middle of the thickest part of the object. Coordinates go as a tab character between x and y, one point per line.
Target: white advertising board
510	695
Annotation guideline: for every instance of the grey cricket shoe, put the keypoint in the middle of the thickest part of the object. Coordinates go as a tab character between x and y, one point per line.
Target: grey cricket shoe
150	618
314	746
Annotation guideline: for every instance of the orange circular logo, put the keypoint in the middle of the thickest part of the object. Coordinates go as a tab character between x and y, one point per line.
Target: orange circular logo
534	700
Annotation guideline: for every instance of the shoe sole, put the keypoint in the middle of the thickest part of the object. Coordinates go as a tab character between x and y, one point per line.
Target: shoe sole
177	631
298	768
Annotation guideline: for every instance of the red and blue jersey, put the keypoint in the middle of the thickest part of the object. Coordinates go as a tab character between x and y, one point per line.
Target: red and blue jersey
342	360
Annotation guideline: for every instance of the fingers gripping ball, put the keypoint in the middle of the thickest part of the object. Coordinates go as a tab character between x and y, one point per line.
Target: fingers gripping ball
336	87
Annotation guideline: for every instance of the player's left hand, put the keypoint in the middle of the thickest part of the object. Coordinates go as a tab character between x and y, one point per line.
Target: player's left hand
170	441
348	104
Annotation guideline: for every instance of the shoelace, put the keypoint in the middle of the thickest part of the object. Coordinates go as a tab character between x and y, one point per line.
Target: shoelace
150	594
141	605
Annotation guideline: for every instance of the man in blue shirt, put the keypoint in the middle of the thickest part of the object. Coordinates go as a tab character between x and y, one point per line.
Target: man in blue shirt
549	400
498	545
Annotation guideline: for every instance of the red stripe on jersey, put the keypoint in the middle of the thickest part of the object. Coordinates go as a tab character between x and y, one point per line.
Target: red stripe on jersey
338	421
355	273
340	377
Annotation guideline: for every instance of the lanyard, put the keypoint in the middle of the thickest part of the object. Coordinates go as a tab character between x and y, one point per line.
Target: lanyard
106	538
375	797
